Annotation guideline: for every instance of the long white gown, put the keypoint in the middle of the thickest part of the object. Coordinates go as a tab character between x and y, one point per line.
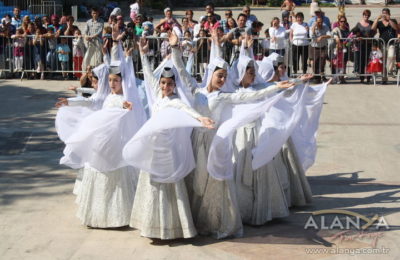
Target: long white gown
162	210
260	192
106	198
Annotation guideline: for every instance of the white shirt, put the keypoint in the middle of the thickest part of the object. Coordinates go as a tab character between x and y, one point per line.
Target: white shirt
279	34
300	34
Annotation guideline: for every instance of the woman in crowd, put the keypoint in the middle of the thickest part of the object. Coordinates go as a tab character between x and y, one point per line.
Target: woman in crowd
277	34
299	38
341	52
364	46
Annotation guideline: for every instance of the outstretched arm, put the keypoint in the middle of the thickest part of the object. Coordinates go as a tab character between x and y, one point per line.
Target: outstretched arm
147	73
177	60
243	97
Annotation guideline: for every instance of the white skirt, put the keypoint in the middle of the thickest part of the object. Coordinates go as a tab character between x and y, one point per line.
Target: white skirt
300	189
106	198
213	202
162	210
78	182
260	193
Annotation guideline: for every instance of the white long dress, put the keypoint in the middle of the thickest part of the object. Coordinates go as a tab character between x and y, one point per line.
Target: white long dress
214	203
106	198
261	194
162	210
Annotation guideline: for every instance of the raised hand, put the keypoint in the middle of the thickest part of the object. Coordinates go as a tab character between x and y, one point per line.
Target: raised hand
206	122
143	45
173	39
127	105
61	102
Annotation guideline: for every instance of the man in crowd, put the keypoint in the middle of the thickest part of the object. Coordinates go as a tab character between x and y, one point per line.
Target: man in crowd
236	35
319	33
16	21
250	18
224	22
93	32
210	10
318	13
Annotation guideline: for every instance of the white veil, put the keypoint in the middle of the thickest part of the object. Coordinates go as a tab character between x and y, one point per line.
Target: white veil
162	147
100	138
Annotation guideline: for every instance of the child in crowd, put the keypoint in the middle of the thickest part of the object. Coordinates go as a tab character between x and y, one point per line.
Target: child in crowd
51	57
19	43
78	51
165	47
375	64
63	51
187	46
107	37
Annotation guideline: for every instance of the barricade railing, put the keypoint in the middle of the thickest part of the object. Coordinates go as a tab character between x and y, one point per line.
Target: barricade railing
348	57
392	59
39	54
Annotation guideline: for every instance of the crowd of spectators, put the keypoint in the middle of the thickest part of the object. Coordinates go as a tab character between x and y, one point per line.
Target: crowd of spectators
56	44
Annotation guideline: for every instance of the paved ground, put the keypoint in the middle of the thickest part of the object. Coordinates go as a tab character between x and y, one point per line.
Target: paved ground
357	169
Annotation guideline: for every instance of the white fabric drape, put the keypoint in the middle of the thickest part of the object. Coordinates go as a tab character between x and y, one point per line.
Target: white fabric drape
277	125
162	146
220	156
304	135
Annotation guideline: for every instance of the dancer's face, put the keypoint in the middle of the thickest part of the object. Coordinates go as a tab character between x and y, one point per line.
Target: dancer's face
282	70
249	76
115	83
167	86
218	78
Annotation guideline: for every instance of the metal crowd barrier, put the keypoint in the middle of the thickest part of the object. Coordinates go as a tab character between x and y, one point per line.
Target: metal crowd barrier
39	55
392	60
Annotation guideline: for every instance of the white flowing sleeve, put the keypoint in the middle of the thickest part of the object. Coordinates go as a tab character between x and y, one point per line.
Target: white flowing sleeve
187	80
242	97
178	104
148	74
85	91
80	101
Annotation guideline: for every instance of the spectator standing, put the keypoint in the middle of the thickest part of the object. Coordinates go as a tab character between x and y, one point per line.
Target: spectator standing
199	26
300	42
94	28
185	26
211	23
51	56
224	22
18	44
210	10
63	51
55	23
236	35
189	16
16	19
288	7
337	23
78	51
69	32
277	34
250	18
340	34
45	21
360	56
387	29
166	23
318	13
319	33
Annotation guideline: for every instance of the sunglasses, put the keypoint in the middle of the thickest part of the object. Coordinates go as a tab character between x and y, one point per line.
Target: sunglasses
228	14
342	21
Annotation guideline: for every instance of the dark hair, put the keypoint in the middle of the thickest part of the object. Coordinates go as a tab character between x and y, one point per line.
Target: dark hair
367	12
256	24
300	14
356	30
94	9
375	44
70	17
387	10
189	12
242	14
183	18
211	5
